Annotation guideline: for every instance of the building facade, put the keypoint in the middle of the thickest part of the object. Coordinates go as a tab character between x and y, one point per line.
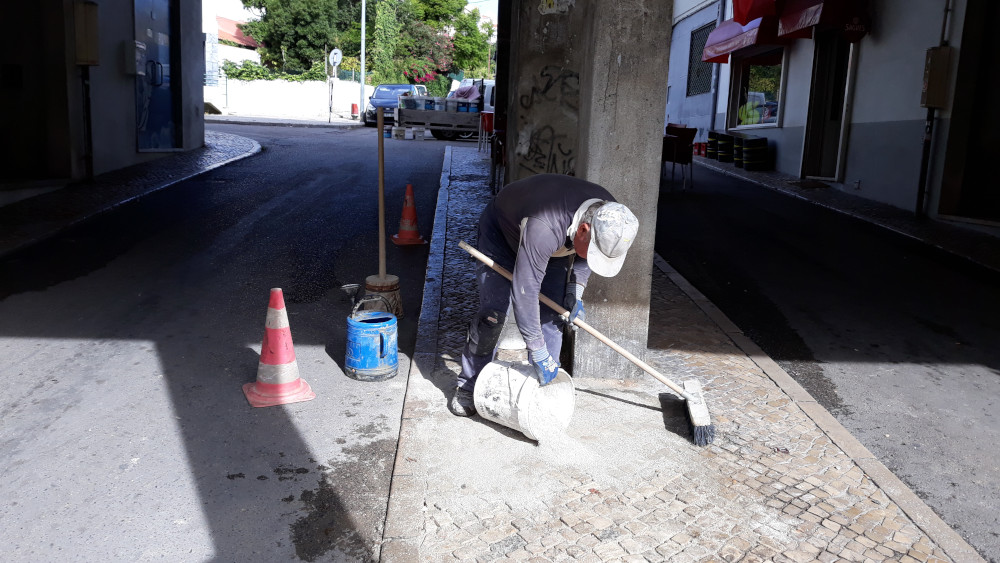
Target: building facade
884	99
92	86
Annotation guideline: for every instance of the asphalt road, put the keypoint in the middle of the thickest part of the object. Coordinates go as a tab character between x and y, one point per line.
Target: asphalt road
897	340
125	434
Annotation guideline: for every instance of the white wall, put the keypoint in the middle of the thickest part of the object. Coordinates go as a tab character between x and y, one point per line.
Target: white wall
894	52
237	54
685	8
308	100
692	111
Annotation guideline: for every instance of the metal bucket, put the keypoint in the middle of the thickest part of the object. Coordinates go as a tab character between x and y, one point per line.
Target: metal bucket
371	344
508	393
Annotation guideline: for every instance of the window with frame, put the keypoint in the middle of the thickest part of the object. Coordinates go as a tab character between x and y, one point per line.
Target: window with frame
699	72
756	96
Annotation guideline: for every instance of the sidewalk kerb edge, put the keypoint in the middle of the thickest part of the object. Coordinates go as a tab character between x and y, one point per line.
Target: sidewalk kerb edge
400	526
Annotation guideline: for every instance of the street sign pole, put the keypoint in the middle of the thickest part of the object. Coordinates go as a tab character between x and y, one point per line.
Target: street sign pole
334	60
361	106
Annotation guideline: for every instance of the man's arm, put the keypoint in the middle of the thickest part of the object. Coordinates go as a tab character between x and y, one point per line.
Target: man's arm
581	271
538	242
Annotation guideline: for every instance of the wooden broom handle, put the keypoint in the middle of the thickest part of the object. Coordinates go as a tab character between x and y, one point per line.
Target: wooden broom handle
380	121
580	323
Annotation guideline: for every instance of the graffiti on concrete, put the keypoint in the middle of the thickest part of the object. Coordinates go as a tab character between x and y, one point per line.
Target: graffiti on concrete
549	110
557	85
554	6
544	150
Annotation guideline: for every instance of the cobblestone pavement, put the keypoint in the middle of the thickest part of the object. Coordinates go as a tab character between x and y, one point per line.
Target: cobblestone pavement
626	483
20	222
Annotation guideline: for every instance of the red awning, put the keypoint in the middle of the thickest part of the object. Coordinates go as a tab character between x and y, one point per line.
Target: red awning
731	36
798	17
745	11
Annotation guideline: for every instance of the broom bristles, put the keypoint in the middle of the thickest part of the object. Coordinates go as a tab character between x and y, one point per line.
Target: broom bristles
703	435
702	429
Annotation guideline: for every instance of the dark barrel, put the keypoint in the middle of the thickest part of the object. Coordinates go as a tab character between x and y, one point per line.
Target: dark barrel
755	155
725	147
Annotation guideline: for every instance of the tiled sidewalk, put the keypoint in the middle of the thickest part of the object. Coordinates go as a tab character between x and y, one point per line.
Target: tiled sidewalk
782	482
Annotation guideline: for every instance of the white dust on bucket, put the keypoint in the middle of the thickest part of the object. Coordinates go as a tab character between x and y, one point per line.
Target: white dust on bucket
508	393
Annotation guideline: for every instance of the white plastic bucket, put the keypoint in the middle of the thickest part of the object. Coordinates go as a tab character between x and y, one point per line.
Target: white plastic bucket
508	393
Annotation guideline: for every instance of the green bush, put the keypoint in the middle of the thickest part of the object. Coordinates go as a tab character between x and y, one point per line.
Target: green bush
250	70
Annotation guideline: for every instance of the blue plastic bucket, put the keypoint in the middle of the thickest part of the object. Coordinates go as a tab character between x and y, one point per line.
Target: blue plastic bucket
371	346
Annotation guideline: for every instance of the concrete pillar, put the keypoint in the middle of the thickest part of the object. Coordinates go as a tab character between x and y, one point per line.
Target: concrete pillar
623	88
547	55
191	118
589	80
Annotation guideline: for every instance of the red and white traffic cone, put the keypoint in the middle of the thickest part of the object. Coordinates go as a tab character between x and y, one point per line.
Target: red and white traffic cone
278	381
408	233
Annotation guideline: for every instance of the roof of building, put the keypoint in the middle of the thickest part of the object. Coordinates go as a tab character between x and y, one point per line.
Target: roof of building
229	30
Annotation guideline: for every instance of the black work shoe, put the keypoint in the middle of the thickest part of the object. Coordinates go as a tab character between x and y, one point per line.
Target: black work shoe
462	403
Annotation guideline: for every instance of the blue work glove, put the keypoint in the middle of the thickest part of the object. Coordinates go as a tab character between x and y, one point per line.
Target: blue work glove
573	302
546	367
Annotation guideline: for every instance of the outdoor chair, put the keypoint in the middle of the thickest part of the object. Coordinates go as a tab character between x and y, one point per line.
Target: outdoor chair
678	148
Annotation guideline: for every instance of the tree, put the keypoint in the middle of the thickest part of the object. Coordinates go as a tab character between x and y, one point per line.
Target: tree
441	13
472	43
405	39
423	52
294	34
386	36
347	26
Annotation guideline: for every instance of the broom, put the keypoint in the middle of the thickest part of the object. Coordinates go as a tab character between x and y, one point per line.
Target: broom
702	429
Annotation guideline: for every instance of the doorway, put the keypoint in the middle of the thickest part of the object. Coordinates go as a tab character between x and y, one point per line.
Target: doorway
155	95
823	149
975	118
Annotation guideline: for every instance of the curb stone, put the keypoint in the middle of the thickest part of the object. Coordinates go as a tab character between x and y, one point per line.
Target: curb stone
402	528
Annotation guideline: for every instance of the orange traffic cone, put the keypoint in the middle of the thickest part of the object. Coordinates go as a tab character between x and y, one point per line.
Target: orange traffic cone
408	233
278	381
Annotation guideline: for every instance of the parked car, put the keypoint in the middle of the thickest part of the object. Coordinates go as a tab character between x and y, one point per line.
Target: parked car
769	113
386	98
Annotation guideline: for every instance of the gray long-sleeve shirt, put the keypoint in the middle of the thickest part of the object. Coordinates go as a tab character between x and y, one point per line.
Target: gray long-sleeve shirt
535	215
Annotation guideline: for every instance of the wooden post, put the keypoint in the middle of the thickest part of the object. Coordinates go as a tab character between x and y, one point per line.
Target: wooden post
383	284
381	192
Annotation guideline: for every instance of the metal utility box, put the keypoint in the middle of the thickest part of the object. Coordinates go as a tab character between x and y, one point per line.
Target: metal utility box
937	67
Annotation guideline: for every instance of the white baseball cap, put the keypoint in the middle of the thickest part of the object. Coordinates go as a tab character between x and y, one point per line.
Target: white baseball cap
611	234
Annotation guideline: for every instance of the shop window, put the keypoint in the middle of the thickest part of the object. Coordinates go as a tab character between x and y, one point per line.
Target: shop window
699	72
757	82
